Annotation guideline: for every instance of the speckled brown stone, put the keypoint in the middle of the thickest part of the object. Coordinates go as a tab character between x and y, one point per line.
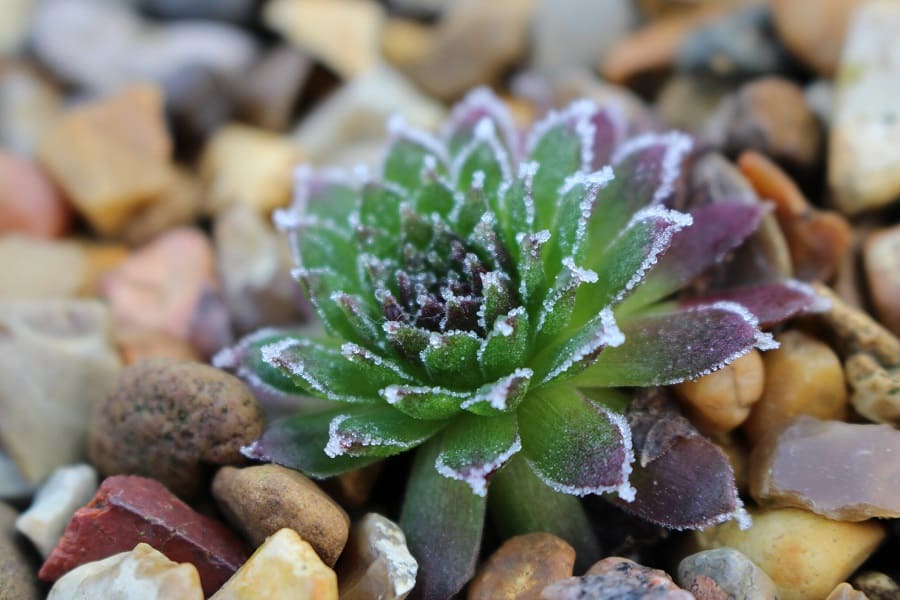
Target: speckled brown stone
522	567
170	420
17	580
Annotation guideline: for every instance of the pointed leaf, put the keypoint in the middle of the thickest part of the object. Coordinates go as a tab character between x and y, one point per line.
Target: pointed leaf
557	307
409	341
498	297
443	522
532	277
328	196
577	202
771	303
451	358
474	448
483	163
423	402
717	228
409	153
324	287
501	396
574	445
670	347
516	205
379	219
506	345
435	196
570	356
380	431
299	441
610	128
479	104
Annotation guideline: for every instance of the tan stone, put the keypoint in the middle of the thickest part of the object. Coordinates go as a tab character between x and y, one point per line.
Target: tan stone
246	165
522	567
260	500
818	240
881	258
877	586
405	41
178	204
814	30
875	389
803	376
29	103
351	489
721	401
285	566
111	156
376	562
806	555
18	576
142	573
343	34
845	591
29	203
864	144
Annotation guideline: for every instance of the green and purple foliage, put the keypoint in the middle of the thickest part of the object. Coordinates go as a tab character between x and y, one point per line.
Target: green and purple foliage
490	299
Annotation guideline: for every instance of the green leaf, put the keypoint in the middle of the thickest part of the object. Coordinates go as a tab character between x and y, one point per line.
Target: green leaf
478	105
451	358
515	208
498	297
577	204
568	357
423	402
557	307
575	446
532	277
435	196
483	163
379	219
377	432
501	396
325	248
506	345
410	152
443	521
473	448
329	196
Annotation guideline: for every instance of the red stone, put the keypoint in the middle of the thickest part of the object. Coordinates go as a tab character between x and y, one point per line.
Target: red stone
128	510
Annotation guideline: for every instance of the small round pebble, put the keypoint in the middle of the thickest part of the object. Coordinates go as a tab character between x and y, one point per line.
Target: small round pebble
724	573
260	500
522	567
170	420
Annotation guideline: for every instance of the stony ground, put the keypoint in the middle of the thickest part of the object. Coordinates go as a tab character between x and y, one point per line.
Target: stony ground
143	147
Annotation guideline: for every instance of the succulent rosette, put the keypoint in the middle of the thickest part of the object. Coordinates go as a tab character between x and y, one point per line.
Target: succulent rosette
487	297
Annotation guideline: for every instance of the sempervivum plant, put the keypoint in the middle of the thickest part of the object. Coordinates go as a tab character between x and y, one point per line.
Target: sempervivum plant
486	298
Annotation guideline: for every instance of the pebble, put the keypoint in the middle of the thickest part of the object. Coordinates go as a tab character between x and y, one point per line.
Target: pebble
199	100
721	401
29	102
805	554
803	377
573	33
239	12
179	267
405	42
814	30
342	34
128	510
357	113
56	361
171	420
875	389
124	48
269	92
260	500
473	44
864	144
179	204
254	266
687	101
616	578
17	580
881	260
522	567
65	491
376	562
818	239
724	573
285	566
844	591
29	203
770	115
738	46
110	156
14	17
13	485
351	488
877	586
251	166
141	573
842	471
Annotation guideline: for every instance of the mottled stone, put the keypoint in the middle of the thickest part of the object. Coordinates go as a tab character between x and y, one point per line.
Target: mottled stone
246	165
285	566
522	567
881	259
128	510
617	578
28	105
803	377
199	100
838	470
17	580
721	401
877	586
864	148
110	156
171	420
376	562
179	267
844	591
875	389
723	574
65	491
343	34
814	30
473	44
357	113
141	573
56	361
29	203
805	554
260	500
268	94
770	115
818	239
